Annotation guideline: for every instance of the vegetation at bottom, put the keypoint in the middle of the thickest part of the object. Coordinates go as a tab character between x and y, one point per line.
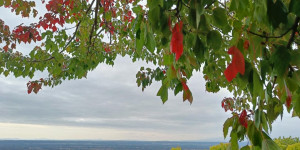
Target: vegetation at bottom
284	143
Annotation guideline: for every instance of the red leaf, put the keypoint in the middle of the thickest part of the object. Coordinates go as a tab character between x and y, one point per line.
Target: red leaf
177	40
187	95
29	87
243	119
246	44
236	66
288	98
185	87
54	28
5	48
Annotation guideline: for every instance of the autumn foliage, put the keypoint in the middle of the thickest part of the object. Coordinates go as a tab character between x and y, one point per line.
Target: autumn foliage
237	65
176	45
250	48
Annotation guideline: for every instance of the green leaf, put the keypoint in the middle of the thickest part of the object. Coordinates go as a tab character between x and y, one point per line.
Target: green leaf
281	58
199	49
257	116
247	147
253	134
260	11
199	11
296	104
265	67
204	24
220	19
228	123
214	39
154	16
234	140
178	88
257	85
6	73
294	7
295	55
241	7
163	93
171	73
168	60
155	3
277	13
268	143
264	121
137	9
150	43
192	17
139	42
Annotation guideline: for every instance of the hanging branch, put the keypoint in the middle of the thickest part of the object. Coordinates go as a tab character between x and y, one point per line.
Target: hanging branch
94	27
293	28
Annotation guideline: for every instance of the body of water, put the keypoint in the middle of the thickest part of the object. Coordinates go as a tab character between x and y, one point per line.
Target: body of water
100	145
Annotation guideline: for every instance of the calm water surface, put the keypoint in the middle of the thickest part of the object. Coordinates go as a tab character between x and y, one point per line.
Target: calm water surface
100	145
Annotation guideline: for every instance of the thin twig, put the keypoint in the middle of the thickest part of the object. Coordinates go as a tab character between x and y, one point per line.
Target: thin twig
294	28
94	27
207	6
186	5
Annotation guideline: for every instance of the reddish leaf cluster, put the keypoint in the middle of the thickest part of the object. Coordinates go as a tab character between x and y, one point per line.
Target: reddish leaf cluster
243	118
24	9
4	30
107	49
59	6
177	40
246	44
58	12
107	4
109	26
236	66
227	104
128	17
288	98
33	86
187	95
26	34
110	8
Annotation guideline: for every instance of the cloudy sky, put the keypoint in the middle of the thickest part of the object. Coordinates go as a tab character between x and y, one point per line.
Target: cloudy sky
108	105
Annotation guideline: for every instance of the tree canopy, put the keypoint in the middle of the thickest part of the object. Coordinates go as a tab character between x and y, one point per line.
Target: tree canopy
249	47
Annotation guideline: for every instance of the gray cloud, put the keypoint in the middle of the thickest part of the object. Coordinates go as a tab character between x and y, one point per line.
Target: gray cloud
109	97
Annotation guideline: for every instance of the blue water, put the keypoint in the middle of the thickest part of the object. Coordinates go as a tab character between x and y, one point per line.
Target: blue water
100	145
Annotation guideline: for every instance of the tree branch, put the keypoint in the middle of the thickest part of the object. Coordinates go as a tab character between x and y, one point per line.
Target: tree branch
94	27
72	38
186	5
294	28
207	6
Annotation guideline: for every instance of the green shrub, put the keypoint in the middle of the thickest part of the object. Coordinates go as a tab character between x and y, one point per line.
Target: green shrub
293	147
221	146
177	148
283	142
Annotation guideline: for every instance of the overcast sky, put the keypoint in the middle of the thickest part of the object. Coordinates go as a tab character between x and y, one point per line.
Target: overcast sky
108	105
